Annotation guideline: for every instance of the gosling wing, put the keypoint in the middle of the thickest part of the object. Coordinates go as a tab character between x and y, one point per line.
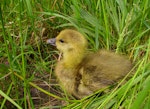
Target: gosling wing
102	69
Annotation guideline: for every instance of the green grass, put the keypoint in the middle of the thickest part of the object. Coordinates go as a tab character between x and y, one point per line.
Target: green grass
27	79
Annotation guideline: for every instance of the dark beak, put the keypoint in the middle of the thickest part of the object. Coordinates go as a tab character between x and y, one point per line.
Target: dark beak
51	41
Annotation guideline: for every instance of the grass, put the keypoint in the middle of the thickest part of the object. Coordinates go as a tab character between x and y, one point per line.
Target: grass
27	79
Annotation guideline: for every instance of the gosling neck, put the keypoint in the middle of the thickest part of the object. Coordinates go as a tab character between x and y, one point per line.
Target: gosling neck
72	59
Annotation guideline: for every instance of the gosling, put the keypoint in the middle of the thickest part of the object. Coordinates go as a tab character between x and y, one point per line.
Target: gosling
81	72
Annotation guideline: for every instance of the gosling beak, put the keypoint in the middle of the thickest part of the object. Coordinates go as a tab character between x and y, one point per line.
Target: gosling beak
51	41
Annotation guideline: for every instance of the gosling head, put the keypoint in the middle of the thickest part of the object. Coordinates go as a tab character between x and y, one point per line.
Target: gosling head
69	40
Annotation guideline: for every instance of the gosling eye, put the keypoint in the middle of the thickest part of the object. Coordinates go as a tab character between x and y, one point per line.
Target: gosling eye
62	41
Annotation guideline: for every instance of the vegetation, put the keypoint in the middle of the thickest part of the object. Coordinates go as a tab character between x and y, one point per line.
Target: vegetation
27	79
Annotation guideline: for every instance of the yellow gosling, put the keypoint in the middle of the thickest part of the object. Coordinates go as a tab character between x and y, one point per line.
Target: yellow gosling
80	72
